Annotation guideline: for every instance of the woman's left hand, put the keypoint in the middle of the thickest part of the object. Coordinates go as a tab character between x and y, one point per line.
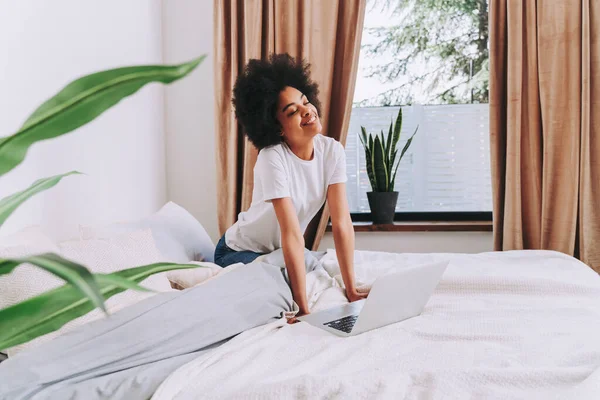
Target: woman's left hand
354	294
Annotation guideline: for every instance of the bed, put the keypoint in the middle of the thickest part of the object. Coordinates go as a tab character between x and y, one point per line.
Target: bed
510	325
500	325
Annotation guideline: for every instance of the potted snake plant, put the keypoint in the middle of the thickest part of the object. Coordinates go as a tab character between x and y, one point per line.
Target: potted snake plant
382	165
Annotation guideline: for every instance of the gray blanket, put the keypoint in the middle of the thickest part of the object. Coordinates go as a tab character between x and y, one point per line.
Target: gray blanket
129	354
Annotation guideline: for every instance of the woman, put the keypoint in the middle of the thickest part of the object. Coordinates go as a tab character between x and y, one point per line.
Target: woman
297	169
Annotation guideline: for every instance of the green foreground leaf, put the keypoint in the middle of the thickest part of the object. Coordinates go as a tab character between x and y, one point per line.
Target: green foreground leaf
51	310
10	203
75	274
80	102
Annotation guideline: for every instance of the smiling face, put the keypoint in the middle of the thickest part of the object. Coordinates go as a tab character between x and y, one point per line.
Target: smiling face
298	118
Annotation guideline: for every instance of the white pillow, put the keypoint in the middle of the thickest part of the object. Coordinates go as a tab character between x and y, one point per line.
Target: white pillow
179	236
98	255
187	278
27	242
116	253
26	280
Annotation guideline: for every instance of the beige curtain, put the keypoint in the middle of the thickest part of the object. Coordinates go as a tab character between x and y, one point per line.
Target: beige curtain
545	125
325	32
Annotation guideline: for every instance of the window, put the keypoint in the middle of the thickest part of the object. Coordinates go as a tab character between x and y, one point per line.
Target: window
432	60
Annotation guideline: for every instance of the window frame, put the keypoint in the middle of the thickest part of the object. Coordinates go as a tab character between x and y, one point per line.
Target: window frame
450	221
431	216
410	218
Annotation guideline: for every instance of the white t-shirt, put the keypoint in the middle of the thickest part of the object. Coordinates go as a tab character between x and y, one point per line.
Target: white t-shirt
279	173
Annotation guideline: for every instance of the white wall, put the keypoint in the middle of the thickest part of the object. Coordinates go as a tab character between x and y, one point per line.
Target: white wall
190	127
43	46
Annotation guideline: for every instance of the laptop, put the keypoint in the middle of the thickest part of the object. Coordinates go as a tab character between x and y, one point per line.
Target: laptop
393	298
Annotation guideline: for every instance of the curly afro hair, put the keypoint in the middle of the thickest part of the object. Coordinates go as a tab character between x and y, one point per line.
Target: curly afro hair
256	94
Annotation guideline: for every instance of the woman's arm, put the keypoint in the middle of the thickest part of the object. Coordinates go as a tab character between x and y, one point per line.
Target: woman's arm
343	237
292	242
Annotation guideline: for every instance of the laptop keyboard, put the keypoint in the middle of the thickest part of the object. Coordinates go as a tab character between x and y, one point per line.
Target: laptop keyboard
343	324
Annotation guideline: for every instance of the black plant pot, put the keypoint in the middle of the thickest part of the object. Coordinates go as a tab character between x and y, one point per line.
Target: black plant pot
383	206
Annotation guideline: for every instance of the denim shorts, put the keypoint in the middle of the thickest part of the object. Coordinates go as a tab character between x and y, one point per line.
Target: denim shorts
225	256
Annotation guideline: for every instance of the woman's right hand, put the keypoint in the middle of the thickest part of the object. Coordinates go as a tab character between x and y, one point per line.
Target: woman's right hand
294	319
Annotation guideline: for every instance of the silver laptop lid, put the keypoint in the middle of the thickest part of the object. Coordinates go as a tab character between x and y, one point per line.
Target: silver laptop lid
399	295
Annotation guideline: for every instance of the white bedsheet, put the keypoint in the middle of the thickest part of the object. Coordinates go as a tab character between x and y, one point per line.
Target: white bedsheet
511	325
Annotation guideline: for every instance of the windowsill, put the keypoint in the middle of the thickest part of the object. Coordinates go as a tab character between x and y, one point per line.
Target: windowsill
425	226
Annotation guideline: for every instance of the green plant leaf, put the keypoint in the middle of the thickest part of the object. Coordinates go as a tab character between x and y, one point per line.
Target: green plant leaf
381	171
80	102
371	163
385	155
49	311
393	159
388	146
364	141
119	282
397	129
406	146
393	183
370	174
408	142
10	203
7	266
71	272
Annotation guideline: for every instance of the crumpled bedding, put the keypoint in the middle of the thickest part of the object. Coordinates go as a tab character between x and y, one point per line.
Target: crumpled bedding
129	354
